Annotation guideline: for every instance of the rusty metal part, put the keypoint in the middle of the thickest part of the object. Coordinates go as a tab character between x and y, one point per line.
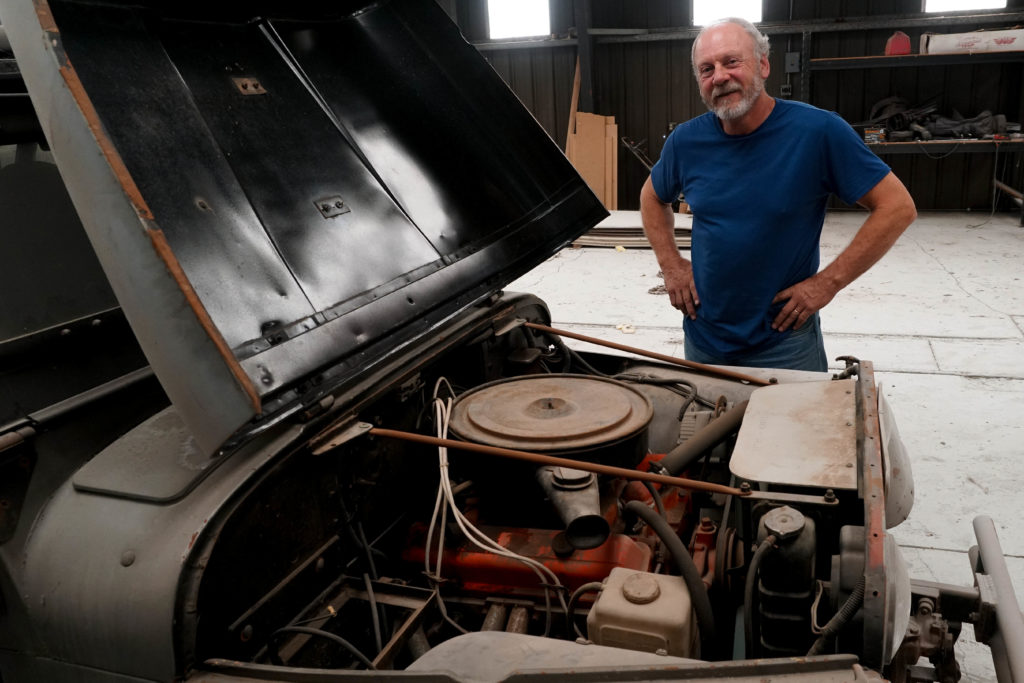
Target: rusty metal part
518	620
872	487
928	635
708	369
703	549
721	405
620	472
496	617
555	413
851	367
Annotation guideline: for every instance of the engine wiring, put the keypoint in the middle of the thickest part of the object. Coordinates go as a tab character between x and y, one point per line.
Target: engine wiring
446	499
682	387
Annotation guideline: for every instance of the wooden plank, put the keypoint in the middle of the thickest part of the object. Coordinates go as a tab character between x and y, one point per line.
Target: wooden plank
613	165
572	109
609	146
589	150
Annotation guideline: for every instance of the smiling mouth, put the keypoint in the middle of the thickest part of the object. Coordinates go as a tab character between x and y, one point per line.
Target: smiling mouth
726	94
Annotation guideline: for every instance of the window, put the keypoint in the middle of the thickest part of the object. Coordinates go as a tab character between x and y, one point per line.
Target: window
957	5
518	18
706	11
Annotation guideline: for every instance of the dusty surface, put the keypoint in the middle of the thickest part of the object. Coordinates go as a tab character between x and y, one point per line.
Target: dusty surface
941	317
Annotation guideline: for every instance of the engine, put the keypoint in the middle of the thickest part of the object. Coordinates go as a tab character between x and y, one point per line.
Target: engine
515	488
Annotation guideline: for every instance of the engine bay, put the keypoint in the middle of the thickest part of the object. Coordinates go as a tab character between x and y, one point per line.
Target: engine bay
385	538
297	433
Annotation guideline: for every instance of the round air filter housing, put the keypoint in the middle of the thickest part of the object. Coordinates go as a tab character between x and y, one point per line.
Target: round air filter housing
589	418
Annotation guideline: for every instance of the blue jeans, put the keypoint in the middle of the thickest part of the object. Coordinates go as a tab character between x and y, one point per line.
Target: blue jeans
802	349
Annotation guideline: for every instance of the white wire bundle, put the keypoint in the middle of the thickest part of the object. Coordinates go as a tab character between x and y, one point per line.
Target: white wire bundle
548	579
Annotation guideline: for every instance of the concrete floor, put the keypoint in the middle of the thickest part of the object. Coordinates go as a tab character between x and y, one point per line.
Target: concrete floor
941	317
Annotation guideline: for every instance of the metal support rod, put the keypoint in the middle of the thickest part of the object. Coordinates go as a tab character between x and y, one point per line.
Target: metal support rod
16	432
1008	615
1016	194
584	50
542	459
709	369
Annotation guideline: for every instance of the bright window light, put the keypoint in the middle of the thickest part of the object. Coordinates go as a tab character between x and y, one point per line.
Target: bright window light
707	11
518	18
958	5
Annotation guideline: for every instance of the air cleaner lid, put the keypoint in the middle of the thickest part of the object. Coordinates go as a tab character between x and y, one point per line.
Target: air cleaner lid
551	413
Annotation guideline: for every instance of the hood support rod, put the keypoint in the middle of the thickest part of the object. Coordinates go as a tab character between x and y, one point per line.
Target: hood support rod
709	369
542	459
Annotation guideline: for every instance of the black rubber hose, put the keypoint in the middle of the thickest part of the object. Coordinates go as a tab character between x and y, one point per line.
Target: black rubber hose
841	618
658	503
575	598
688	570
717	431
748	595
323	634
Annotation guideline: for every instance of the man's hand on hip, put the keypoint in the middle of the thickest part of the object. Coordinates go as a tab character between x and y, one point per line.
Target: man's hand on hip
803	300
682	292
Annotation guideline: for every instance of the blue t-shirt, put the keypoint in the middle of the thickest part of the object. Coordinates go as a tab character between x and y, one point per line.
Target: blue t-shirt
758	203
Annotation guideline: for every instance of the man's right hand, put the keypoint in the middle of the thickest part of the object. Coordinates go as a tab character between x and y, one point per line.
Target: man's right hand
659	226
682	292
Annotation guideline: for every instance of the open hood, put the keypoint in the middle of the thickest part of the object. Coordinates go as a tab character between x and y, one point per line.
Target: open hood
281	195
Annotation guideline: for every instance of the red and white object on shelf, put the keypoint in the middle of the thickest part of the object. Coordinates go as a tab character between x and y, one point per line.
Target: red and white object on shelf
1010	40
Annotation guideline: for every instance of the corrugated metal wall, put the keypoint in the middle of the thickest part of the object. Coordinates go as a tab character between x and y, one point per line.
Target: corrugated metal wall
648	84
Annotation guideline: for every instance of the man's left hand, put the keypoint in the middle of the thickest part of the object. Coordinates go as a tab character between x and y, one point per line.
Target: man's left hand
804	300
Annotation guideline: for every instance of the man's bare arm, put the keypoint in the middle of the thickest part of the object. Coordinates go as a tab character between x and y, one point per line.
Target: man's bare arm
659	226
891	211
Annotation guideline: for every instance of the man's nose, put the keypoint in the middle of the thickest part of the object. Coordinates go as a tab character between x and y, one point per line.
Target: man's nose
720	76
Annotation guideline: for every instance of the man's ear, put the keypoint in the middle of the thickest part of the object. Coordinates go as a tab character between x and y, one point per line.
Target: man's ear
766	67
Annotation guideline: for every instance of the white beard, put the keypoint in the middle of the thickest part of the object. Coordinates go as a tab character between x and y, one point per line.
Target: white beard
728	112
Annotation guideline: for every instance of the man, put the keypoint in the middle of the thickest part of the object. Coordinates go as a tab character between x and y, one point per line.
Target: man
757	173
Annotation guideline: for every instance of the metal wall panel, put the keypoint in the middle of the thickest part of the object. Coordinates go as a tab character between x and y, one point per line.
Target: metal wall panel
542	80
648	85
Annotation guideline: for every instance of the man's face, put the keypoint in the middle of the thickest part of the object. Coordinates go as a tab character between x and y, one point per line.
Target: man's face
730	76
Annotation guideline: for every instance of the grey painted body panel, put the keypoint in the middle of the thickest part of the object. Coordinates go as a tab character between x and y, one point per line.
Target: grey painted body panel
102	573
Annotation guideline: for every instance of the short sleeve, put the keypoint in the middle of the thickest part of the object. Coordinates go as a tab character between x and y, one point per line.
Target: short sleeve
853	169
665	175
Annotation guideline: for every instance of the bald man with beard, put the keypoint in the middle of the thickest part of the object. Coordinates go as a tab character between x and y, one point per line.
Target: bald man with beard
758	173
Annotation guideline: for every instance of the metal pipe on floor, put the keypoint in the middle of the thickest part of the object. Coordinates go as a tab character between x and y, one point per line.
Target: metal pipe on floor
1008	614
1016	194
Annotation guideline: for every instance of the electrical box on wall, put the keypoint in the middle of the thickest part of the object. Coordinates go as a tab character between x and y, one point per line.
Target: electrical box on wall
792	62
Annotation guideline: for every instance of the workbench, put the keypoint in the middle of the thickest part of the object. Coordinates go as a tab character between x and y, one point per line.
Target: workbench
937	149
